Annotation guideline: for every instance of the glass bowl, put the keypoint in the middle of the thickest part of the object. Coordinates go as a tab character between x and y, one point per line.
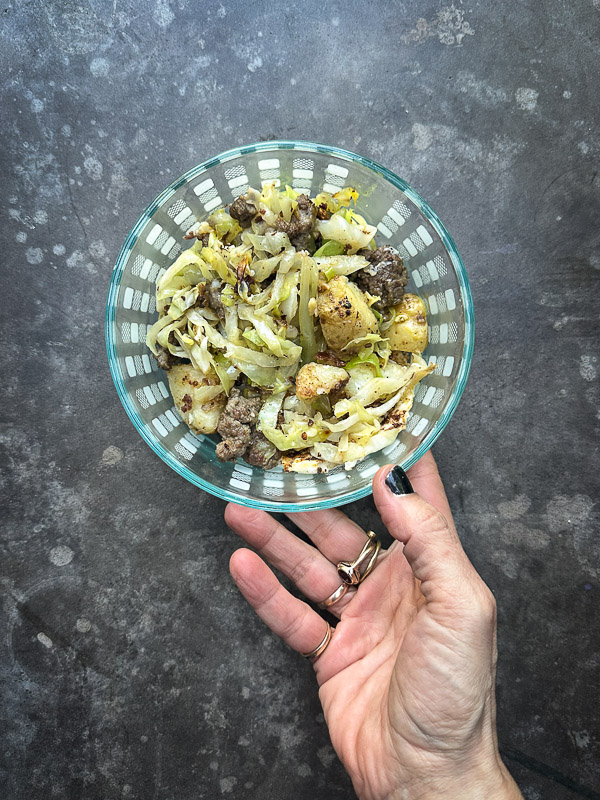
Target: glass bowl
404	220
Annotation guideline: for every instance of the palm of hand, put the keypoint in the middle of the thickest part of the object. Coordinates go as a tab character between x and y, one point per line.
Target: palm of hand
384	681
406	682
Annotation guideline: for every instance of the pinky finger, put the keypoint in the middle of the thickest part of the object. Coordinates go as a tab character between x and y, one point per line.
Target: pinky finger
293	620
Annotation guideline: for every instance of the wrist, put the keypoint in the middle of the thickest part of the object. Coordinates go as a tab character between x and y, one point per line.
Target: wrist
489	780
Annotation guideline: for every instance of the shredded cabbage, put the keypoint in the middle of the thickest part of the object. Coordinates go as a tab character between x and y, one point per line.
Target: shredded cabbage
330	248
272	242
300	432
369	338
279	292
295	436
267	417
266	329
309	280
152	334
253	337
395	378
339	228
242	303
228	296
280	204
225	226
365	357
226	371
338	200
185	272
288	306
340	265
218	264
259	376
264	268
232	328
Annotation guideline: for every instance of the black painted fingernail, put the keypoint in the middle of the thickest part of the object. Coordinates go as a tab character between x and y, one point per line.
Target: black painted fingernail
397	481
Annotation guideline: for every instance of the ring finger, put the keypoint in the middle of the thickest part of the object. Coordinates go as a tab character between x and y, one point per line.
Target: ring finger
336	536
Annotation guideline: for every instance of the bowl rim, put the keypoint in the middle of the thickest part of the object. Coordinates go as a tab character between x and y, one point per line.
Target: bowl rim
145	217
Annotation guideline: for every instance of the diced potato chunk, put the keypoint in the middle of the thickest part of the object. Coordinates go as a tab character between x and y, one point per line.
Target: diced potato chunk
316	379
409	330
344	313
305	463
199	398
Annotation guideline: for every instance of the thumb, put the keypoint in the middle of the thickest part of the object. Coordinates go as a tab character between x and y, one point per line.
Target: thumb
431	544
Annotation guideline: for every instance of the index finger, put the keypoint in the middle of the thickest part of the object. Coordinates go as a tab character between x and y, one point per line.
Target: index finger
426	481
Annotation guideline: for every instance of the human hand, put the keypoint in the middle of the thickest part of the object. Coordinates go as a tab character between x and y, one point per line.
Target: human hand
407	680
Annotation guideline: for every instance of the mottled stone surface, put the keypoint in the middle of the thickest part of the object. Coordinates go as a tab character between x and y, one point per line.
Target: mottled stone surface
131	667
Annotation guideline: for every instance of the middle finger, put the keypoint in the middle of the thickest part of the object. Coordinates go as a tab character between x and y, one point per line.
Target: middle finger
336	536
313	574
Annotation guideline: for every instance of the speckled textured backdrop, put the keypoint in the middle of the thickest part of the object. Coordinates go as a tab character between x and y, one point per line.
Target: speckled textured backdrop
131	667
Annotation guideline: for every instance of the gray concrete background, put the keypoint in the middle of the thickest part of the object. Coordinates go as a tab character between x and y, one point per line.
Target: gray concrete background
131	667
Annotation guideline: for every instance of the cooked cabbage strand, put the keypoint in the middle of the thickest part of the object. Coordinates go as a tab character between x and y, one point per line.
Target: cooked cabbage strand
270	292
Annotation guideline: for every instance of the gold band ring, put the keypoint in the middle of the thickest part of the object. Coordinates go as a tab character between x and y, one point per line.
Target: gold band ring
372	561
314	654
349	571
334	596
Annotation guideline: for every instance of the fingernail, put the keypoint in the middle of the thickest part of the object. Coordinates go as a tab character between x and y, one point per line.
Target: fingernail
397	481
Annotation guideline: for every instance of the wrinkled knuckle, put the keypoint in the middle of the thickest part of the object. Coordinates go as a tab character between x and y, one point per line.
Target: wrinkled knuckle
253	518
434	520
323	529
265	535
266	598
293	626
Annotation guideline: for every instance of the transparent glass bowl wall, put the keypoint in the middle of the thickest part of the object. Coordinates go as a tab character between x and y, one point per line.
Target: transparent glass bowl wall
404	221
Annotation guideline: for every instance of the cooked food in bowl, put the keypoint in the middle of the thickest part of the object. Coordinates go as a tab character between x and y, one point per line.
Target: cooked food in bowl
285	329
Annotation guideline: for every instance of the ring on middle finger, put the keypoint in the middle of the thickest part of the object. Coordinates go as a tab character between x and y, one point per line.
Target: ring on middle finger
349	571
